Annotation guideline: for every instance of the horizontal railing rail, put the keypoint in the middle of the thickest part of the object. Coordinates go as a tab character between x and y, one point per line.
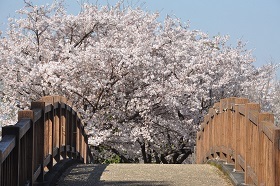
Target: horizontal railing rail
48	133
237	132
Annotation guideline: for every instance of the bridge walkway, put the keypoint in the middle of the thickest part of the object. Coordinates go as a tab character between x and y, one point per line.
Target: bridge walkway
144	175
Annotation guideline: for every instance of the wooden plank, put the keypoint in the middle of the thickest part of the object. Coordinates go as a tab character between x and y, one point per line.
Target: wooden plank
27	150
238	102
241	161
253	116
73	112
63	100
39	137
223	149
15	154
25	114
211	113
229	121
55	151
37	173
47	99
56	105
51	137
37	114
276	155
48	108
63	113
47	160
267	129
57	99
241	109
7	144
251	139
252	175
23	125
206	119
70	103
232	151
63	105
199	135
231	103
56	132
216	108
63	148
68	108
265	119
86	151
202	126
67	148
37	105
78	136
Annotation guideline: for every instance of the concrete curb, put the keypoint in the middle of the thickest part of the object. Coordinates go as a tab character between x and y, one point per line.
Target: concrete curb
52	176
237	178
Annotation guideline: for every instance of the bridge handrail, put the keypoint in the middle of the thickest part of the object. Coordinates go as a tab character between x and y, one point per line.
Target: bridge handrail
48	133
235	131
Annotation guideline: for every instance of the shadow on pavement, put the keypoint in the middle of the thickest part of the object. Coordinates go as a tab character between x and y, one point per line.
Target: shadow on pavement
131	183
82	174
86	175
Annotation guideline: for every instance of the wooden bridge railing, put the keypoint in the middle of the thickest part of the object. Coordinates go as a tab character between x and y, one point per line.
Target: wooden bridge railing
237	132
49	132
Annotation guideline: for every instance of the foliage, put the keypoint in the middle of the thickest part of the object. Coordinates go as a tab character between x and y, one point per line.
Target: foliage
141	86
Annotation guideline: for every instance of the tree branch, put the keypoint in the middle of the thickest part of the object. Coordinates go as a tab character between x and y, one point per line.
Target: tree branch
84	99
85	36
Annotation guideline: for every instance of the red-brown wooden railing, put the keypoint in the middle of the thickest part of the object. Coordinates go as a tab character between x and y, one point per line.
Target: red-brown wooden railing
237	132
49	132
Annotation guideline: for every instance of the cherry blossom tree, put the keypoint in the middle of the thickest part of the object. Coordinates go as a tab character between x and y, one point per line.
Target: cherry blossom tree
141	86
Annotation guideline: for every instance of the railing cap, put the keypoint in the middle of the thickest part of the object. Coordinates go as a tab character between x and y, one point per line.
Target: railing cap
7	144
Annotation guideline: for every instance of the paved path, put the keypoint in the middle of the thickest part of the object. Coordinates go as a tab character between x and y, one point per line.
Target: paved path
144	175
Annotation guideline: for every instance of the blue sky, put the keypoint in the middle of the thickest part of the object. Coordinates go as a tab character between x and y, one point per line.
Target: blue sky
255	22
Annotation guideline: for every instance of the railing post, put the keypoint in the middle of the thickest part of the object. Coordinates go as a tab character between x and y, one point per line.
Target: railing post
86	160
49	124
15	161
230	129
57	128
28	114
83	145
207	138
74	121
261	168
40	139
238	134
212	136
251	141
81	141
222	129
1	167
63	124
72	133
68	131
7	156
199	150
78	138
217	134
276	155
